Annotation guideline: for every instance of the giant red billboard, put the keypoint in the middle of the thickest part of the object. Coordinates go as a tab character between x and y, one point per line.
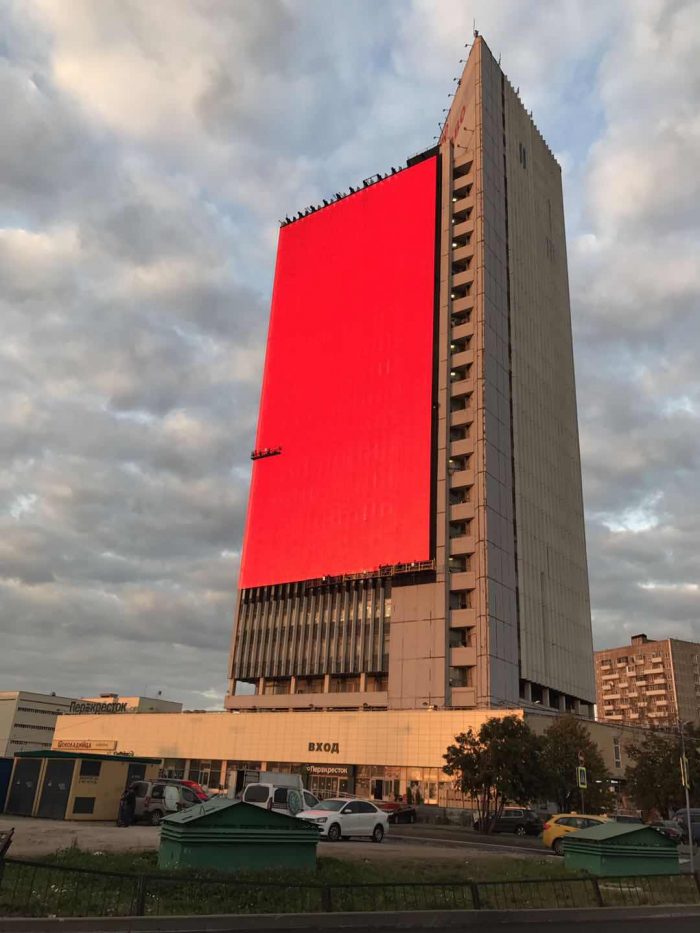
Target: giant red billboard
342	477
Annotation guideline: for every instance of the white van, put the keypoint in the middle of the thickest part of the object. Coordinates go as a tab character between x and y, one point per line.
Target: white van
287	800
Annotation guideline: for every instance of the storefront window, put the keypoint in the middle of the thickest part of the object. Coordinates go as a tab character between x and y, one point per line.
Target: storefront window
173	768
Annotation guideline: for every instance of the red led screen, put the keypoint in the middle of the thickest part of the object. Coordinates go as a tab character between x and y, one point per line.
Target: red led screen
347	389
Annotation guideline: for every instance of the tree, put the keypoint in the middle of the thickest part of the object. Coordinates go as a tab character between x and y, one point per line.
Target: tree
567	744
654	780
498	764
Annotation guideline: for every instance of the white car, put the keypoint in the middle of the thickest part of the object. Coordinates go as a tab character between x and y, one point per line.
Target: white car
343	817
287	800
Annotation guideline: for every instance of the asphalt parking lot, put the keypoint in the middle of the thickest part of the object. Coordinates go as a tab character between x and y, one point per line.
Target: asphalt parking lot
34	837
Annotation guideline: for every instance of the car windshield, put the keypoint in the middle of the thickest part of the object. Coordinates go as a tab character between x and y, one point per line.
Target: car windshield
330	805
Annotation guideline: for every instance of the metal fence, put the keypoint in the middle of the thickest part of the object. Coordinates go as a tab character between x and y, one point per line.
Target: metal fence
41	889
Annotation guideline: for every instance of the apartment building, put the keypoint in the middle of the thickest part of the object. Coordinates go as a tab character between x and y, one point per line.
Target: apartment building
648	682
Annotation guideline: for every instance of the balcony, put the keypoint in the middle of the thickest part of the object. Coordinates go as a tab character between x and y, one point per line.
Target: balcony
462	253
463	511
462	657
462	545
462	165
463	696
461	305
461	388
461	478
462	278
462	331
462	581
463	227
462	208
462	416
462	182
462	618
464	358
462	448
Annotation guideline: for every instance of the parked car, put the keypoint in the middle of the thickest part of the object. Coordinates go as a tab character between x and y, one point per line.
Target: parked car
398	812
142	789
164	799
518	820
196	788
668	828
561	824
681	819
344	817
287	800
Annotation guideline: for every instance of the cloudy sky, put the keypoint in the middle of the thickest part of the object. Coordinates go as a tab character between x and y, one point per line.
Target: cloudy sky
147	150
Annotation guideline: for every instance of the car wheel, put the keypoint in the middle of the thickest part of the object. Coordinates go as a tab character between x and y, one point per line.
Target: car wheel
520	831
334	833
558	846
378	833
156	817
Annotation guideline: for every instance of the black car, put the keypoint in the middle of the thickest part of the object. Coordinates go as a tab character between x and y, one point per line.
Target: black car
403	814
680	817
516	820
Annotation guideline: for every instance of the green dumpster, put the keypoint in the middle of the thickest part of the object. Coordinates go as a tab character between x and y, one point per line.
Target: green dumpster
228	835
617	849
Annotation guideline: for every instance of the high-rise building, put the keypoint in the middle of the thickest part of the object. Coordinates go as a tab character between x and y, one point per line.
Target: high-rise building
415	534
648	682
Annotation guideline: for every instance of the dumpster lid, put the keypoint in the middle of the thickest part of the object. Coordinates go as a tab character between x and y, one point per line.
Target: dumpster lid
244	813
612	830
204	808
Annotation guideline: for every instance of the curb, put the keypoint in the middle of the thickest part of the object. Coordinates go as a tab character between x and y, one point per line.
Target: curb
390	920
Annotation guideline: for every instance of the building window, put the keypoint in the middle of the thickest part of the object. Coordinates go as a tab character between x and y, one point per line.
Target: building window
90	768
461	676
617	753
84	804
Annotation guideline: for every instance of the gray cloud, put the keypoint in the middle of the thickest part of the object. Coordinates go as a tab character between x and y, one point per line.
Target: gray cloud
149	150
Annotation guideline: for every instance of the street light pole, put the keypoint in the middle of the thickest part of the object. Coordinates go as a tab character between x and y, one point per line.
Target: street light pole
686	781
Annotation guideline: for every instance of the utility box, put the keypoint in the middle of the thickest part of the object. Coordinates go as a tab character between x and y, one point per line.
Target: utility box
228	835
617	849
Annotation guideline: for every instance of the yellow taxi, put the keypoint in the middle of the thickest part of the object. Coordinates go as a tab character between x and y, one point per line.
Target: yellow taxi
561	824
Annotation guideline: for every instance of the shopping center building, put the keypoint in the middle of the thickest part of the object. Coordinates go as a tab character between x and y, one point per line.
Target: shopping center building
377	754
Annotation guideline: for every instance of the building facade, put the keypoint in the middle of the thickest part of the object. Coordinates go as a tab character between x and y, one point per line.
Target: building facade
479	599
649	683
128	704
378	754
28	720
